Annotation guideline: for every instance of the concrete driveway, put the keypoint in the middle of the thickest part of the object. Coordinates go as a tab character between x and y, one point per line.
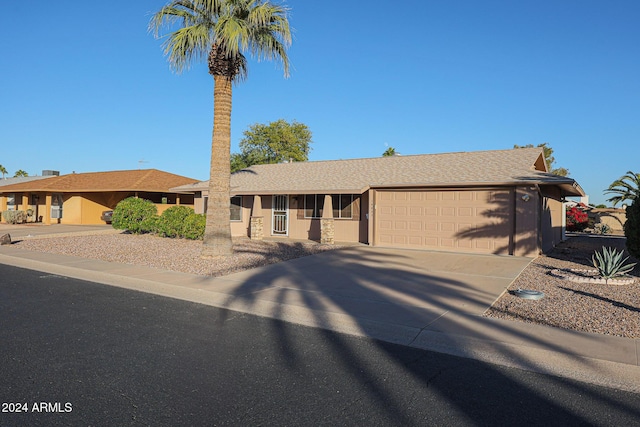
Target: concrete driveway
384	285
21	231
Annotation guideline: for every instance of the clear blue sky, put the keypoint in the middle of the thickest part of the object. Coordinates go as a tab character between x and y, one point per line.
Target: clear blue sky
84	87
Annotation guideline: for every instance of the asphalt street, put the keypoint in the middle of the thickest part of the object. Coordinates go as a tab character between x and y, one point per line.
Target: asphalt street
78	353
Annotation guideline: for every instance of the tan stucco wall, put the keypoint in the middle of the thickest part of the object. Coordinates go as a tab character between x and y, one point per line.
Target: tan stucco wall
241	228
552	212
72	210
527	202
346	230
614	218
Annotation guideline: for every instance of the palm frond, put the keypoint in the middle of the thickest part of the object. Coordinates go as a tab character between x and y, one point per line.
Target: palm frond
237	26
627	187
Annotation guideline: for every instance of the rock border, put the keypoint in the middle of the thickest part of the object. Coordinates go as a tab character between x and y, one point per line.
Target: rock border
573	275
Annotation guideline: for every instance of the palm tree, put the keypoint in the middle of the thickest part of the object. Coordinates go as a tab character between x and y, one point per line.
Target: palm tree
3	171
221	31
20	173
389	152
627	187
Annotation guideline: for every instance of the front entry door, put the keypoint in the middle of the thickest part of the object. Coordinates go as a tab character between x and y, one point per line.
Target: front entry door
280	218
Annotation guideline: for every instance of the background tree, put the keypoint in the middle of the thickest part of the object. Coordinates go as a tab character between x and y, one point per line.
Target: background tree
20	173
221	31
627	187
548	156
3	171
276	142
389	152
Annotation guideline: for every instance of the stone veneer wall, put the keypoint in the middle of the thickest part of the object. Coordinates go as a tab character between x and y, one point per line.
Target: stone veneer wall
257	228
327	231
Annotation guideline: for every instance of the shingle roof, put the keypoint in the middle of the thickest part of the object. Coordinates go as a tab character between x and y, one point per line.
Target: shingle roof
151	180
17	180
499	167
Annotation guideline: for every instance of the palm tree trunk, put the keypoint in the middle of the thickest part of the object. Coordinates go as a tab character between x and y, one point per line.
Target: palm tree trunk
217	234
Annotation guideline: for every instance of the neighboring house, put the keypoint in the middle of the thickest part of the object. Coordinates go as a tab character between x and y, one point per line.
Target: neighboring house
499	202
80	198
17	180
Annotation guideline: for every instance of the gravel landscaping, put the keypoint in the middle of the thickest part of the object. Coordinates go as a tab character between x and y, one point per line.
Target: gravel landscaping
173	254
599	308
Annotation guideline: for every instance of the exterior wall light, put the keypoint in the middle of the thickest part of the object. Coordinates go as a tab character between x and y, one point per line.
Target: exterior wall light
526	197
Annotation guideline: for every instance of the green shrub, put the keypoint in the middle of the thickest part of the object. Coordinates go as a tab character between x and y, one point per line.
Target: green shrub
632	229
171	222
194	226
130	214
150	224
181	221
610	264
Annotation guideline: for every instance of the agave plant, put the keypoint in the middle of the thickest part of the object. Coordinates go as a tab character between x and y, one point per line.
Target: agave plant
610	264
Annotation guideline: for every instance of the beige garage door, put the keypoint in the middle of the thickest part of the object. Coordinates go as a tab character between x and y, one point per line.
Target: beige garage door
470	221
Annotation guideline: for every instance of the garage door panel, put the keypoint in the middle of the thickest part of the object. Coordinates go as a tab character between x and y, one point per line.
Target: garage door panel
415	225
448	227
465	220
415	241
447	243
385	224
465	244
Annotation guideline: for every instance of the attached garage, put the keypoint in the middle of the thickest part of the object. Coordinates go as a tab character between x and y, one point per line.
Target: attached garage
465	220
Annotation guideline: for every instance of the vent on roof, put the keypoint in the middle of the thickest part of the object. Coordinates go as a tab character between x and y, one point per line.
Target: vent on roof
50	173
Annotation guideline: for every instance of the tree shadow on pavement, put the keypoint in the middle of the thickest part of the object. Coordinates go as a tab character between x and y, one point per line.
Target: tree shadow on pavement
342	282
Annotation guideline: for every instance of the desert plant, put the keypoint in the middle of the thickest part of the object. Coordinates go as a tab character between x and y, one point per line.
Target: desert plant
632	229
610	264
130	213
601	228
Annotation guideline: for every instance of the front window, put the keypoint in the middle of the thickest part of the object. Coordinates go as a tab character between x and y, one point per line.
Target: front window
313	204
236	208
342	205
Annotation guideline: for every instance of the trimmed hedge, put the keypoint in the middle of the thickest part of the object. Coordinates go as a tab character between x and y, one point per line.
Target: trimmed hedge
140	216
178	221
131	213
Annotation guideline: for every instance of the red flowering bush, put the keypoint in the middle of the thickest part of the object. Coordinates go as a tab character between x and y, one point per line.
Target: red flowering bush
577	218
